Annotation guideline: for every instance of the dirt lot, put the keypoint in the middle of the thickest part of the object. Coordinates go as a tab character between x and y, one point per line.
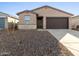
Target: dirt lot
30	43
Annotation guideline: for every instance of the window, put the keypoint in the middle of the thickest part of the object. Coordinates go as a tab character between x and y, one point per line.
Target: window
27	19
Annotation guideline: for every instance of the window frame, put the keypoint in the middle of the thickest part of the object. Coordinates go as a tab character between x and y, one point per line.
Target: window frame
27	21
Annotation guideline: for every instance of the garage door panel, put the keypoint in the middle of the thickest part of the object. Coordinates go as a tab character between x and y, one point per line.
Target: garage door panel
56	23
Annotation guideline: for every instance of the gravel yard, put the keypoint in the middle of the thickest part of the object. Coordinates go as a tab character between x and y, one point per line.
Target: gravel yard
30	43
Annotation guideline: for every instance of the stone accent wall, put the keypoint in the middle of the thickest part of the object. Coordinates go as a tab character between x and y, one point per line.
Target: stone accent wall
27	26
32	23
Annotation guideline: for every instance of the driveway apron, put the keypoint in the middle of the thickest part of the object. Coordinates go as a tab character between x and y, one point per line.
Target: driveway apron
69	38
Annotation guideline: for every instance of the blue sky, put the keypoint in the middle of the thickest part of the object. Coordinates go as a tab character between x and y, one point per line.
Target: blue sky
13	7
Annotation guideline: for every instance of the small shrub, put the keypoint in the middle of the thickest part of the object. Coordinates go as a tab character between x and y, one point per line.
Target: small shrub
77	26
12	26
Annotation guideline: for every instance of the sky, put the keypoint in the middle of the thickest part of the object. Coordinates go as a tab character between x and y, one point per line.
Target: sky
14	7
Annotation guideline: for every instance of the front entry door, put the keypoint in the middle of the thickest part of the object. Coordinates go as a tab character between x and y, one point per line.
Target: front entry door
40	23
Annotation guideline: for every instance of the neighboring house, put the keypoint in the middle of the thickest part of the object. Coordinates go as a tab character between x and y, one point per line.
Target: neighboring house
45	17
5	19
74	21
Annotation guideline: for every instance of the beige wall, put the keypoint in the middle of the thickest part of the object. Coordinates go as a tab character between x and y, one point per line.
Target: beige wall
70	22
6	23
74	21
10	19
32	23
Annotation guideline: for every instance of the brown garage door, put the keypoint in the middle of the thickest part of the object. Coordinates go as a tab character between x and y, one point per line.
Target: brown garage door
56	22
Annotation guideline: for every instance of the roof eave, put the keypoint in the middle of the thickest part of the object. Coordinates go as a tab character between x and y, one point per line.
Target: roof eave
25	11
9	15
55	9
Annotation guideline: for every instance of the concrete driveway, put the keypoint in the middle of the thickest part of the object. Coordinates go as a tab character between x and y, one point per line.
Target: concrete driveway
69	38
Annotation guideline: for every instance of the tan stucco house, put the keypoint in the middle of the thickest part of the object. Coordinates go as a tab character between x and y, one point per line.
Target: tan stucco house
75	21
45	17
5	19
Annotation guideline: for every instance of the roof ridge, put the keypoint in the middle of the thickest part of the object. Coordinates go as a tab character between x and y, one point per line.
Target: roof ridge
26	11
52	8
9	15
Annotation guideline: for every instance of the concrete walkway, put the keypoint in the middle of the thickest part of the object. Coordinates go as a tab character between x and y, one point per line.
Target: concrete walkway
69	38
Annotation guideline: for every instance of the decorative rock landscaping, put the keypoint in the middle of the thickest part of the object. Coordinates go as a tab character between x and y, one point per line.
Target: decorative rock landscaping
31	43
